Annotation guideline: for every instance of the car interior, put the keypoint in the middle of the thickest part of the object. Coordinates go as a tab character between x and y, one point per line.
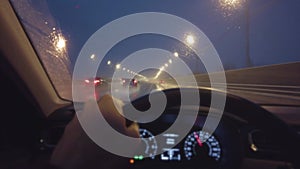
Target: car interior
259	127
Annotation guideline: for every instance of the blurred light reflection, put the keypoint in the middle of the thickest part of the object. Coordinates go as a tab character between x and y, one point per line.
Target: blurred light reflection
230	6
190	39
176	54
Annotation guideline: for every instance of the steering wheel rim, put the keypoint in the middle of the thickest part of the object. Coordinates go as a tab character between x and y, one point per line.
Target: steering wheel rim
244	109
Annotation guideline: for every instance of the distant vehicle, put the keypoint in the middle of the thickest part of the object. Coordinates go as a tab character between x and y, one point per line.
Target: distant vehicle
97	81
130	82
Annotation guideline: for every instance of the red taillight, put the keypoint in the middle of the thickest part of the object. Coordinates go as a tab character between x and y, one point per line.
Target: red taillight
97	82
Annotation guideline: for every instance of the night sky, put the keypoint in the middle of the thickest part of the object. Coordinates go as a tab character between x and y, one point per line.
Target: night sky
273	37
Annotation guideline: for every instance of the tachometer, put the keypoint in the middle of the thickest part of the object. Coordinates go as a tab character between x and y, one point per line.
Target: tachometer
149	141
195	147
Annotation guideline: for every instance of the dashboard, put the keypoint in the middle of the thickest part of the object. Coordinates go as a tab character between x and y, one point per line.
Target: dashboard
246	137
198	149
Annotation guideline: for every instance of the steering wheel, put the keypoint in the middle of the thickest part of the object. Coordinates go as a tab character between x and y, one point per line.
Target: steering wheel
281	133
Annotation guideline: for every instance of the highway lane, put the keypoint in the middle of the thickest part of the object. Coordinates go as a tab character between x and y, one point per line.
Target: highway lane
277	84
276	88
263	85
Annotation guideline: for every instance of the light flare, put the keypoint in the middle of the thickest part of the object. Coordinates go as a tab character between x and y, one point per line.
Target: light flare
176	54
190	39
229	6
118	66
93	56
60	43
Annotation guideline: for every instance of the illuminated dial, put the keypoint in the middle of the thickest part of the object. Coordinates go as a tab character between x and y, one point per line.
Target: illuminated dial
196	148
150	143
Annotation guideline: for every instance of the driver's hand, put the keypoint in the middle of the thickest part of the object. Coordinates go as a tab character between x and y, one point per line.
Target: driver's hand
76	150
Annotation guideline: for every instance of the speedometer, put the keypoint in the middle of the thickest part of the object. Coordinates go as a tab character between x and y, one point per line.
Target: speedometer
196	148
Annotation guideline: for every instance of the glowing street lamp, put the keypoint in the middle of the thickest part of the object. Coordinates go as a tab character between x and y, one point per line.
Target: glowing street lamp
229	6
176	54
93	56
61	43
109	62
190	39
118	66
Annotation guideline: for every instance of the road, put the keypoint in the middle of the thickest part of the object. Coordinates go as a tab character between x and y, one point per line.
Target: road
276	88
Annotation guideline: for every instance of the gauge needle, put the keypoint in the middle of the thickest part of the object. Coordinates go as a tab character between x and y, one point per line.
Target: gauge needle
198	139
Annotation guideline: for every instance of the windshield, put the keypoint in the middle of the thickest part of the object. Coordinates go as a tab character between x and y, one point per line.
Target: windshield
240	34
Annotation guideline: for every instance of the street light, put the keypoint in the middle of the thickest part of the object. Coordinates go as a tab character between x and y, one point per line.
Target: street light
176	54
93	56
190	39
231	5
118	66
248	58
61	43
